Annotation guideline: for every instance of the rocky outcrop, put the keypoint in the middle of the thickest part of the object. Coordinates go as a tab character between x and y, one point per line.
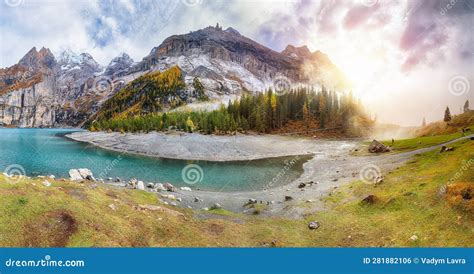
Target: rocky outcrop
32	106
41	91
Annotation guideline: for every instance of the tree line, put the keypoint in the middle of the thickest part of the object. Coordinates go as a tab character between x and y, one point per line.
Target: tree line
259	112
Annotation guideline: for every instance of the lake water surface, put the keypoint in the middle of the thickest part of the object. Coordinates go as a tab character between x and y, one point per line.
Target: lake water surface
47	151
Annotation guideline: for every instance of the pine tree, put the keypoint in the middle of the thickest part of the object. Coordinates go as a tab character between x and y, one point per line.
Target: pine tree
447	115
466	106
424	122
322	111
306	115
199	89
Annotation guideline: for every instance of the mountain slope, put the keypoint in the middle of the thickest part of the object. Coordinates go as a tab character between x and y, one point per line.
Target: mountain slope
149	93
240	61
42	91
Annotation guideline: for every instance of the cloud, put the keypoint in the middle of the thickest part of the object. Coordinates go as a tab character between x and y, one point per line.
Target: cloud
433	32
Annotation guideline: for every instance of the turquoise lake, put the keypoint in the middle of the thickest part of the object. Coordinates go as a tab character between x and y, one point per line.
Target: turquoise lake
48	152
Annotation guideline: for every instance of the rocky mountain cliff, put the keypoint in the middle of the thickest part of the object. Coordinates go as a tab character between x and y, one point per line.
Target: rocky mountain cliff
228	62
42	91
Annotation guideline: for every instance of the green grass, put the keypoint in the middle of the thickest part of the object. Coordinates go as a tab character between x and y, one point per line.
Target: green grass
407	204
405	145
74	214
420	142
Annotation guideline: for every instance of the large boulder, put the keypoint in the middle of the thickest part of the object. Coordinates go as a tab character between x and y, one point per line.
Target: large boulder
75	175
81	174
378	147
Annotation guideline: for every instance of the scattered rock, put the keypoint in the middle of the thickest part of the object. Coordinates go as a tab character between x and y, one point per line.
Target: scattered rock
378	147
379	180
159	187
159	208
140	185
113	207
150	185
370	199
313	225
46	183
301	185
197	199
168	196
250	202
133	183
216	206
288	198
185	188
169	187
413	238
272	244
466	194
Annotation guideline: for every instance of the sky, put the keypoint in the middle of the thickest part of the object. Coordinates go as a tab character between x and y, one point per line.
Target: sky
406	59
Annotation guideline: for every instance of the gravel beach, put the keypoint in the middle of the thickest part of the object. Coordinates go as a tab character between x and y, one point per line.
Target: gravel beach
331	167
